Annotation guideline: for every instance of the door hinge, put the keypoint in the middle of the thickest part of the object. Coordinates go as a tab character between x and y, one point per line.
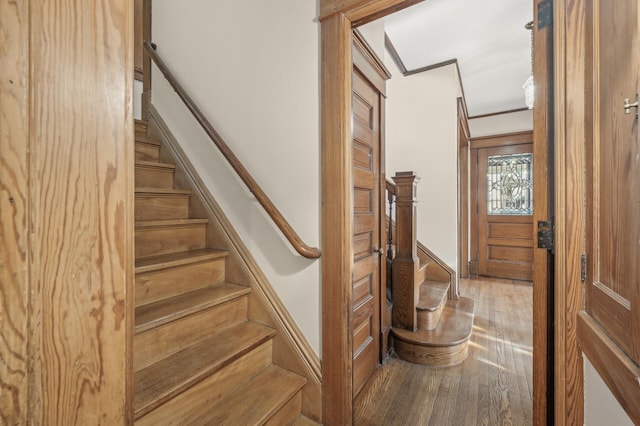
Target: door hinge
583	267
546	234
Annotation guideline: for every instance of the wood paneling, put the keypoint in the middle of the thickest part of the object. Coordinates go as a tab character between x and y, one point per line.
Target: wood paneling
569	69
367	205
501	140
618	371
613	173
81	211
337	358
15	376
463	195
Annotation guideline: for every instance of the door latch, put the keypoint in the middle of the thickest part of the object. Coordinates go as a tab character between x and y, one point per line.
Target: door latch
546	234
627	106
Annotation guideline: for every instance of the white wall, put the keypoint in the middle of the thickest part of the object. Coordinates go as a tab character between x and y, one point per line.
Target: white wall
421	120
256	76
373	32
600	406
500	124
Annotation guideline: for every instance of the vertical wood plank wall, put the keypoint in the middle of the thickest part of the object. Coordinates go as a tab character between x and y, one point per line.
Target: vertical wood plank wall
67	229
569	63
14	208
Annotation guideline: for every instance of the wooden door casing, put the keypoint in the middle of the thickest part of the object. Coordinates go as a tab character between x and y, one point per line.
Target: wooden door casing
505	242
367	261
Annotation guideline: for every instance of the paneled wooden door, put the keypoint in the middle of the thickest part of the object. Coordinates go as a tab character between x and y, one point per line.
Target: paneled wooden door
367	256
505	211
613	172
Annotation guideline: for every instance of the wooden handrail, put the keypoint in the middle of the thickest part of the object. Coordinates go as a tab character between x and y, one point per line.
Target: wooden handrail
391	187
284	226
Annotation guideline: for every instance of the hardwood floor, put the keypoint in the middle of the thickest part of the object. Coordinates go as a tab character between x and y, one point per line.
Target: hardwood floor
492	387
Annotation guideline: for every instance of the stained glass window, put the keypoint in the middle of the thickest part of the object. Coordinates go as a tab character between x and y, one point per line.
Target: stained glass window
510	184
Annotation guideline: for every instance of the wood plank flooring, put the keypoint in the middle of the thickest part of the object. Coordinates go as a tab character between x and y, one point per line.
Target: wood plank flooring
492	387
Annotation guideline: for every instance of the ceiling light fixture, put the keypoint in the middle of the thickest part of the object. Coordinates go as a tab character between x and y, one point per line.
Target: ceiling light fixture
528	84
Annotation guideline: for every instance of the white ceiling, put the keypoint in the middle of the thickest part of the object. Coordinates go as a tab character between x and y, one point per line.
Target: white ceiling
487	38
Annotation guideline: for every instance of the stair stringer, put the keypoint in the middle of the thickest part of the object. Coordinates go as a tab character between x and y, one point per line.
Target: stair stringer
291	350
438	270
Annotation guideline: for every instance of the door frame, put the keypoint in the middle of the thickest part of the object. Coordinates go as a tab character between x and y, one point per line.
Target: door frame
337	18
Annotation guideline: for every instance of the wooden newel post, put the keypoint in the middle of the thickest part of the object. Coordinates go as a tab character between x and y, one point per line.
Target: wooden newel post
405	265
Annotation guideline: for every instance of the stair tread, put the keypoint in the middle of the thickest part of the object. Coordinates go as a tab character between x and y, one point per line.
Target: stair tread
163	380
455	326
164	261
432	295
162	191
154	164
167	310
169	222
257	400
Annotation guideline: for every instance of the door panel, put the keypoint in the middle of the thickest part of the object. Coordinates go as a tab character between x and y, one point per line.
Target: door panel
613	167
366	229
504	192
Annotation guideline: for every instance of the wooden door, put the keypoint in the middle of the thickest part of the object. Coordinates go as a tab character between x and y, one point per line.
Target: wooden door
505	211
367	259
613	172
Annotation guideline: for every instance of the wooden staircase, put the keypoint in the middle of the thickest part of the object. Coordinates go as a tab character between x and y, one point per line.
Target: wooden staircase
443	327
197	357
431	323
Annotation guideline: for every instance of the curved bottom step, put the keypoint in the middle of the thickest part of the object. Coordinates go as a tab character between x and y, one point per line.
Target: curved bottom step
445	345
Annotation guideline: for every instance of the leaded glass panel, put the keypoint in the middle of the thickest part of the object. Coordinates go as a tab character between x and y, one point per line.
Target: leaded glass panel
510	183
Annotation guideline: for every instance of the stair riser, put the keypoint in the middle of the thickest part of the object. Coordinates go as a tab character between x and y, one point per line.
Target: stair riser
428	320
288	413
155	207
171	239
153	177
154	286
141	129
190	404
434	356
421	275
147	151
161	342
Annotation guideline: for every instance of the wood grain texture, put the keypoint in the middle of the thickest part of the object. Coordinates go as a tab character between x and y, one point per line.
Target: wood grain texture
406	290
463	195
618	371
336	95
362	11
14	210
183	408
435	268
491	387
569	69
291	350
507	139
81	192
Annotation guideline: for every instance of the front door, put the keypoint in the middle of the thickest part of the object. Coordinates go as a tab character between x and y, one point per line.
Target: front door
366	107
505	211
